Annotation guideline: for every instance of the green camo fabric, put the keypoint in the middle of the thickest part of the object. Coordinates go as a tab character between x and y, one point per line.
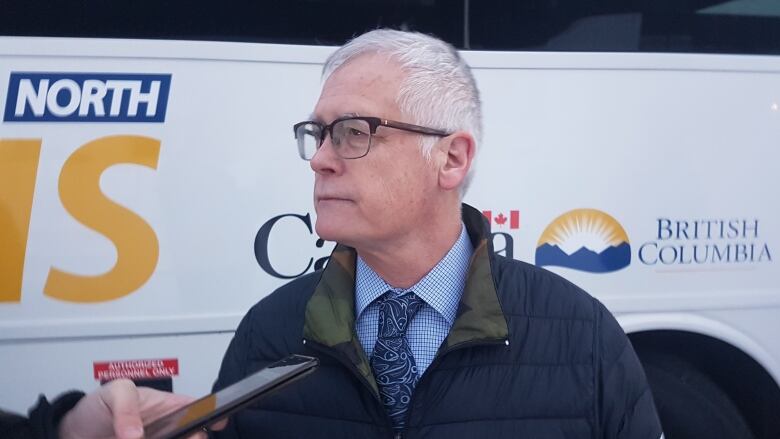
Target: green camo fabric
330	313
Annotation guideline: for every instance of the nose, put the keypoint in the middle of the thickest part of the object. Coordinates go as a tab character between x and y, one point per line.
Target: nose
325	160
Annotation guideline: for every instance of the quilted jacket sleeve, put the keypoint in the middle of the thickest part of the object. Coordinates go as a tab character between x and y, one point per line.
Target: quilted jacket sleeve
233	369
627	410
43	421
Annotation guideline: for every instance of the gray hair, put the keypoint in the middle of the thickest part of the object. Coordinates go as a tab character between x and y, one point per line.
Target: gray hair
438	91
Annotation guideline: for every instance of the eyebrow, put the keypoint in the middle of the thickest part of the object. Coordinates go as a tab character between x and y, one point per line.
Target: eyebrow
314	118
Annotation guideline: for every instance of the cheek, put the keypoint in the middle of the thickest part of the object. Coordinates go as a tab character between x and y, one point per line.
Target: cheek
380	199
407	189
399	183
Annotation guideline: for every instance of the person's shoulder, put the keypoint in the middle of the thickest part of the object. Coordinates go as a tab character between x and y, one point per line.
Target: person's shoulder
526	289
294	293
14	426
285	304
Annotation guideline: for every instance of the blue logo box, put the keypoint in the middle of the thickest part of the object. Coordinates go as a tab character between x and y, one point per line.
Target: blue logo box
86	97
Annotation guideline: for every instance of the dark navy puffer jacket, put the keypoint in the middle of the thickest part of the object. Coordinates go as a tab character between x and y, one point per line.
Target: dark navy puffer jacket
529	355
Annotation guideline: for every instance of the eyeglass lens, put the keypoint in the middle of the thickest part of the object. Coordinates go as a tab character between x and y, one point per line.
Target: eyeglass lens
351	138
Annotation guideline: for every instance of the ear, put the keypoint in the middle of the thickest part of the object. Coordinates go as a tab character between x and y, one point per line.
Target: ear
458	151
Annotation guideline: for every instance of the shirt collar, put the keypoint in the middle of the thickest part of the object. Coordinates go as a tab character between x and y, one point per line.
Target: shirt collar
441	288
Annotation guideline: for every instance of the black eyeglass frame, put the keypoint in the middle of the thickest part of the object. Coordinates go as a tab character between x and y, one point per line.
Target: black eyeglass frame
373	124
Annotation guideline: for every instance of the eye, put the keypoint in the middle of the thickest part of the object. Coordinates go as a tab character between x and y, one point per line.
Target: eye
354	132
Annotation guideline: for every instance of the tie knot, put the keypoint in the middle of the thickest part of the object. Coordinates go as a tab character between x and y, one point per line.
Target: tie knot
395	313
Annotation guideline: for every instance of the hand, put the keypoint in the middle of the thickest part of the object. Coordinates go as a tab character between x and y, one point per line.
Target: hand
118	409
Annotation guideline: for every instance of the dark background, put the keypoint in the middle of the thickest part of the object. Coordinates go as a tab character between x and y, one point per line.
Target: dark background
538	25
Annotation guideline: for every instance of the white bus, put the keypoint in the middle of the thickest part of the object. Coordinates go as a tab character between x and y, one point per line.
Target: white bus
150	190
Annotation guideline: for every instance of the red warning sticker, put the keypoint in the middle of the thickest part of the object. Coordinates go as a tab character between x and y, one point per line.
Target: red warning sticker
136	369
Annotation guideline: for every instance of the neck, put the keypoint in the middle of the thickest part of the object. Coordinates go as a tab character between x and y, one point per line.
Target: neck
403	262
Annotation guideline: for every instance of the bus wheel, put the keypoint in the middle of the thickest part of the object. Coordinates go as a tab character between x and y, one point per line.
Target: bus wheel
690	404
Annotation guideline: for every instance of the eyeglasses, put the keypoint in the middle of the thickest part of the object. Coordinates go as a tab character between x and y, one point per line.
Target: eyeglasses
350	136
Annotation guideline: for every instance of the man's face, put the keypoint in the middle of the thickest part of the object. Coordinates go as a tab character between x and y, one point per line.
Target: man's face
381	198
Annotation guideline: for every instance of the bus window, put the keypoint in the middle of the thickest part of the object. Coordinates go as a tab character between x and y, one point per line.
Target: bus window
309	22
703	26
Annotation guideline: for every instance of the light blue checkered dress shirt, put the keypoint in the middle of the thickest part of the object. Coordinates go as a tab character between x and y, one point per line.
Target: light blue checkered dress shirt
440	290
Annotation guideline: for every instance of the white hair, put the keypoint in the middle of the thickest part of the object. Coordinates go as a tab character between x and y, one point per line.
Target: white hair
438	91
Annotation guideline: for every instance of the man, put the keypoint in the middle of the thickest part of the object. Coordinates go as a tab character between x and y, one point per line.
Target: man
421	330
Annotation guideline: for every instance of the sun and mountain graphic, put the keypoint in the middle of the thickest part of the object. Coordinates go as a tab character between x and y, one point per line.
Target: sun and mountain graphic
586	240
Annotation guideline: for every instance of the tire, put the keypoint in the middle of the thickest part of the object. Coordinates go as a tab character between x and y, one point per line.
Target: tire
690	405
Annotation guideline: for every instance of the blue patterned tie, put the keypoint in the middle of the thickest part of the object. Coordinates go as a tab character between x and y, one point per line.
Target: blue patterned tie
392	361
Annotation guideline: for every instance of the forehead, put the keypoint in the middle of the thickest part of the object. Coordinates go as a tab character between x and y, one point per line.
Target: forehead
367	85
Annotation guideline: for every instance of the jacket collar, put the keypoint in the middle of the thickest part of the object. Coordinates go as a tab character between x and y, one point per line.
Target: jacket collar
479	317
330	312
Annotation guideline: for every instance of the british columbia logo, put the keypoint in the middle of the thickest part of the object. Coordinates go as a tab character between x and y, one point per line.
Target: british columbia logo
586	240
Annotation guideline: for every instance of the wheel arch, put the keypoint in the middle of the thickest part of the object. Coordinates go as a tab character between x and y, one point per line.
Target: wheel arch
721	352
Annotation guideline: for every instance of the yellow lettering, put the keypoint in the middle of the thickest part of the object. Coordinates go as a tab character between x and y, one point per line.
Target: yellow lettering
136	243
18	168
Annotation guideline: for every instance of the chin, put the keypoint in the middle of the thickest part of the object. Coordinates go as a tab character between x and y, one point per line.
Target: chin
332	229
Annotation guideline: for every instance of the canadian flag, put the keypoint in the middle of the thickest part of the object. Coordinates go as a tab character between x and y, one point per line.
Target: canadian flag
500	219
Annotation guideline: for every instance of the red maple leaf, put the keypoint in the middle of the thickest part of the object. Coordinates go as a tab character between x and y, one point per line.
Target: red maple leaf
500	219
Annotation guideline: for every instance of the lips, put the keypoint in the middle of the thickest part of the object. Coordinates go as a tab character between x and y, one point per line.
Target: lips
332	198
